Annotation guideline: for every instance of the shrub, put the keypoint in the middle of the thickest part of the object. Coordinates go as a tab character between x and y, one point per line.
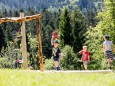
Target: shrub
8	56
70	59
49	64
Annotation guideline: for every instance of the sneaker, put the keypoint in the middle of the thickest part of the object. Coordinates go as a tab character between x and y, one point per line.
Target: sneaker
58	68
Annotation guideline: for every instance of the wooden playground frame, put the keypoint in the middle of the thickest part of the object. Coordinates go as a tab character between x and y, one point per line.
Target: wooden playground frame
23	19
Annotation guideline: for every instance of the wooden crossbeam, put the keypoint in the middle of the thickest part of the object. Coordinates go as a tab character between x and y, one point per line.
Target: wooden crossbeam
19	19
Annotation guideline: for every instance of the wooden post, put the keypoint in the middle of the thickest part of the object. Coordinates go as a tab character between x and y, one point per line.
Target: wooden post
40	46
23	43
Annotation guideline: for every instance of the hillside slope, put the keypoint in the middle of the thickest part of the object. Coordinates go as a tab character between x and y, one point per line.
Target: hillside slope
39	5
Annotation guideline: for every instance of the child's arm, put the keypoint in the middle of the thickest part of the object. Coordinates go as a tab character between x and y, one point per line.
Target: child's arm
89	58
80	52
52	39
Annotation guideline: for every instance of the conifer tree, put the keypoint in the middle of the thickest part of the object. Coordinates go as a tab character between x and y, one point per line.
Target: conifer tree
65	28
79	28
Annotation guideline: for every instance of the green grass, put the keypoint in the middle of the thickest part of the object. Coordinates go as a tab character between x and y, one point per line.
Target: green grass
31	78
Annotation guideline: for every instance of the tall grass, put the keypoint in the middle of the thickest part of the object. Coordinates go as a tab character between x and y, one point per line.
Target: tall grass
34	78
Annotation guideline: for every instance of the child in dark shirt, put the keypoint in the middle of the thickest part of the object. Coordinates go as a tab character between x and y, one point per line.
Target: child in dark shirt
56	54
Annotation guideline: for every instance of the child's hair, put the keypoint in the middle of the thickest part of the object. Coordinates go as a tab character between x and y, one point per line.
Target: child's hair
106	37
84	47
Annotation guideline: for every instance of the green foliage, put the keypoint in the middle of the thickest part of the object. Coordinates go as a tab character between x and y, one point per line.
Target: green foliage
49	23
49	64
94	41
88	5
33	52
8	56
107	19
70	59
91	17
36	78
103	64
72	27
52	5
79	28
65	28
2	39
94	36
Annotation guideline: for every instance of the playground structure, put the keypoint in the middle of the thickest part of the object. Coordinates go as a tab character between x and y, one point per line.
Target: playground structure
23	19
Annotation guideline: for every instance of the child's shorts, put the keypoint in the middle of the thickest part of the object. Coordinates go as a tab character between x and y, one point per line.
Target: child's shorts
56	59
85	62
108	54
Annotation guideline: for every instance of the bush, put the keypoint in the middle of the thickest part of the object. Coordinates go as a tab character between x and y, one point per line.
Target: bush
97	64
49	64
70	59
95	43
8	56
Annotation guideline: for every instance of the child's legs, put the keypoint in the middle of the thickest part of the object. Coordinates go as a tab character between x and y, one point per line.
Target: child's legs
56	63
109	56
109	62
85	64
56	60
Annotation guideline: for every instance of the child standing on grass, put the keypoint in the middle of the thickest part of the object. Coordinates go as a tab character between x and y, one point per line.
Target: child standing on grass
107	49
85	57
56	54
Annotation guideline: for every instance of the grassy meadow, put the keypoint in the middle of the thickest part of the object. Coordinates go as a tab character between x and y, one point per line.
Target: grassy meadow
34	78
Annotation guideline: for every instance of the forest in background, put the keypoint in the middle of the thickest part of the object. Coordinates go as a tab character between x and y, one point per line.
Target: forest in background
52	5
74	28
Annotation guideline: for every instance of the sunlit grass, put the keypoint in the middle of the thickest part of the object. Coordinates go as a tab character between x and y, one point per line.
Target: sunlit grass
34	78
